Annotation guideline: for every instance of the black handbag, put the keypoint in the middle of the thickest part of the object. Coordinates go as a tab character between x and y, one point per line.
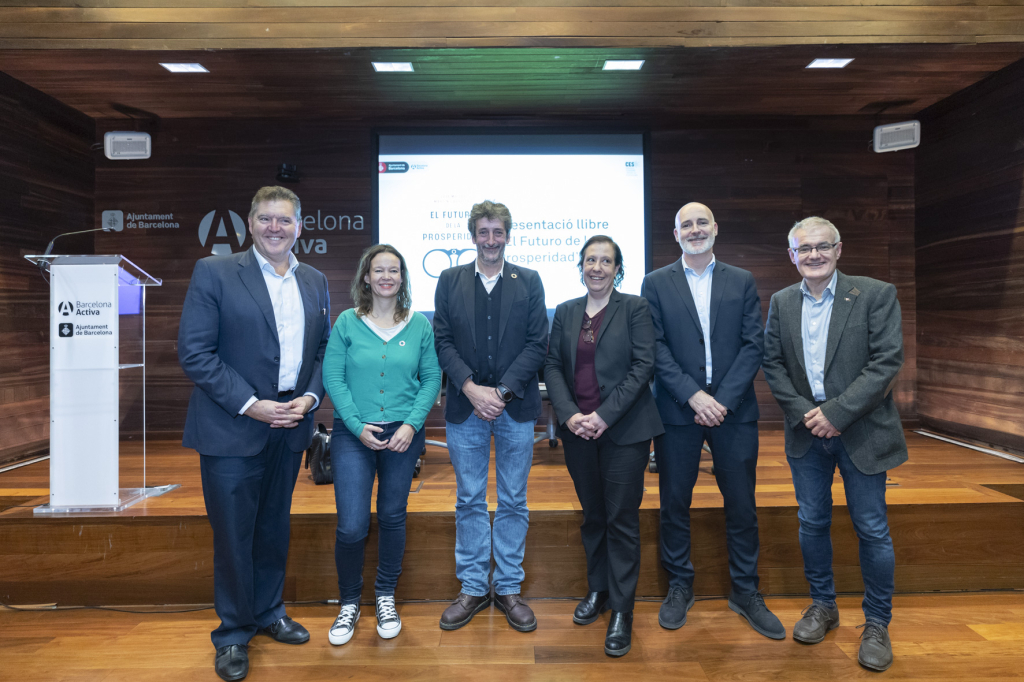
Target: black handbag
318	456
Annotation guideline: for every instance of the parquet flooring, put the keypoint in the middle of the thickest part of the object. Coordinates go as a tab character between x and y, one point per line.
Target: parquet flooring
937	473
975	636
954	516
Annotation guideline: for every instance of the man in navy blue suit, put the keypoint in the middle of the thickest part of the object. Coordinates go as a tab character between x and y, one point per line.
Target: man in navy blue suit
253	332
709	341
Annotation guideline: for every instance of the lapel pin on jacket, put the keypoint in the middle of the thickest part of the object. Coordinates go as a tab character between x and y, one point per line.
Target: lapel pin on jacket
513	275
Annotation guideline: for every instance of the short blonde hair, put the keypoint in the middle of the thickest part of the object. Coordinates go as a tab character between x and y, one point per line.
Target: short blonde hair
811	223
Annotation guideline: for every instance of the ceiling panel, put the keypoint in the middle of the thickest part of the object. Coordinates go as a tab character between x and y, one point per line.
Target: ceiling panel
885	80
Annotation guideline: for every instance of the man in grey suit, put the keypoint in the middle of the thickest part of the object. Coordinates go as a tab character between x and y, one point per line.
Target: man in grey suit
833	349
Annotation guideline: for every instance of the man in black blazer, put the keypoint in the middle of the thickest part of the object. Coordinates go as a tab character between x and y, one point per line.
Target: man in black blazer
254	328
833	350
491	334
707	324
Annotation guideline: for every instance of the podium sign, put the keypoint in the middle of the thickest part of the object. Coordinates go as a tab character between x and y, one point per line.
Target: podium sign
84	334
94	356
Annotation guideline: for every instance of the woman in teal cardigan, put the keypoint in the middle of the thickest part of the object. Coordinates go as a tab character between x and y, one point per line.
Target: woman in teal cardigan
381	372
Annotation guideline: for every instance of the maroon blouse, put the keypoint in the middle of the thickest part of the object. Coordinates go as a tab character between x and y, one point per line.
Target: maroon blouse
588	391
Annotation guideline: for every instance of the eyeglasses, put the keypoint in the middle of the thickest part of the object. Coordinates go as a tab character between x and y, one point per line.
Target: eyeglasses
822	248
588	331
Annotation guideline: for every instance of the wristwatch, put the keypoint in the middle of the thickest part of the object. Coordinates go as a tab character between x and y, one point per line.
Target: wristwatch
505	393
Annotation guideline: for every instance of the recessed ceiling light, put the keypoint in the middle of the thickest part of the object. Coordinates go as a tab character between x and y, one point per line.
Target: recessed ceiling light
392	66
184	68
623	64
828	63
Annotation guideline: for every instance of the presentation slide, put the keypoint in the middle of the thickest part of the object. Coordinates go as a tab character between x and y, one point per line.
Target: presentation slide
560	189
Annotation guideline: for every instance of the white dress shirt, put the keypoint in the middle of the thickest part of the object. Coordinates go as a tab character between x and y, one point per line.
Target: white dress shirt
815	317
700	288
489	282
290	317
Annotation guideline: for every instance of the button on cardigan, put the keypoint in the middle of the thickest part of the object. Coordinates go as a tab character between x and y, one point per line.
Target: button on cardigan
372	380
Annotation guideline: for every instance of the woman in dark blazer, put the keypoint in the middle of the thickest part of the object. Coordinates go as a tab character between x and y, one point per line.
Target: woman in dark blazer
600	360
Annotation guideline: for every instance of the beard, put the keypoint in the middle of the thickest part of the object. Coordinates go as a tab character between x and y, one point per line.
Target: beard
691	249
496	259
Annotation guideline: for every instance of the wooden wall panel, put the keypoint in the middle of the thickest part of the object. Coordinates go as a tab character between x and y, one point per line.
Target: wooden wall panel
759	176
199	24
970	262
46	186
203	166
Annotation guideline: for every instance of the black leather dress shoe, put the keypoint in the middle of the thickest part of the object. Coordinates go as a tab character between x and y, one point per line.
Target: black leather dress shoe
620	634
592	606
286	631
232	662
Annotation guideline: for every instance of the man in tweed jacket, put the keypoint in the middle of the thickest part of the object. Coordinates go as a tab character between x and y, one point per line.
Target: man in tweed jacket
833	349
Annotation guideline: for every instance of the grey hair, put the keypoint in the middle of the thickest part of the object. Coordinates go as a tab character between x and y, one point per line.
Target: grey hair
276	193
810	223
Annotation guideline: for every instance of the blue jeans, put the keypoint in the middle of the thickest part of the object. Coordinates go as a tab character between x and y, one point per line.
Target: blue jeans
865	498
354	466
469	445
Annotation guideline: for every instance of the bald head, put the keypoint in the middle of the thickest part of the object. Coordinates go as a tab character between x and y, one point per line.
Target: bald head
695	229
693	209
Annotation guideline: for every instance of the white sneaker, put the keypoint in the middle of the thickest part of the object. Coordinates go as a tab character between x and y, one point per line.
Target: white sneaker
388	622
344	625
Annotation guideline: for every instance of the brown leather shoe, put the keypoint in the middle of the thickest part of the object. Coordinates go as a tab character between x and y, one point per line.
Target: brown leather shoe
462	610
519	615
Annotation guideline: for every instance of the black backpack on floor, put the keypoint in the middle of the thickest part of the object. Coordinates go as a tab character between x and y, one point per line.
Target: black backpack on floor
318	456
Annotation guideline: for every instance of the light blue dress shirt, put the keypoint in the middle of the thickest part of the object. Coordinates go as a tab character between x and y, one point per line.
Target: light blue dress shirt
700	288
814	320
290	317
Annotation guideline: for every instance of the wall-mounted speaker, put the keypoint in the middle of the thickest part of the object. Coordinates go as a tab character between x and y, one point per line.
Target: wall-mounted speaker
896	136
122	146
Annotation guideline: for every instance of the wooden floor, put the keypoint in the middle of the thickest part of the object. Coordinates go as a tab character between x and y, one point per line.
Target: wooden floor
937	473
961	638
955	518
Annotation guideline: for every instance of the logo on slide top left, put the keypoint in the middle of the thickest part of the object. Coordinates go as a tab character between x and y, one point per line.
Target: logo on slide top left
221	240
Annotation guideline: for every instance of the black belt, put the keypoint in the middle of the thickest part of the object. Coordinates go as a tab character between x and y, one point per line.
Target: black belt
282	394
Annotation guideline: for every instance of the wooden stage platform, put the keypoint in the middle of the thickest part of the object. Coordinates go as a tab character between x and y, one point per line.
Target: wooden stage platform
955	516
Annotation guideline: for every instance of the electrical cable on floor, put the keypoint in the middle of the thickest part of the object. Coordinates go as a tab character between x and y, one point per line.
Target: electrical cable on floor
334	602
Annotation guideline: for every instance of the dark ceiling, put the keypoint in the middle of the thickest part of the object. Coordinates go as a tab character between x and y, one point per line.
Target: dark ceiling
891	80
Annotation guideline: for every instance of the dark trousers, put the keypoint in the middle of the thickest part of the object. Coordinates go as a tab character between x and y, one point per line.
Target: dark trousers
248	502
609	481
734	452
355	466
